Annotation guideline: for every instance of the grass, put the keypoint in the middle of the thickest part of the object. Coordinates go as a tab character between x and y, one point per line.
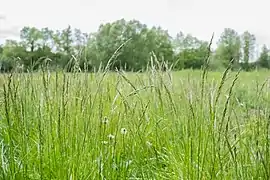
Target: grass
153	125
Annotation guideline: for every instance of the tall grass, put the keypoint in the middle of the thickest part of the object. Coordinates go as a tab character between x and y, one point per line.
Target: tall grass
118	125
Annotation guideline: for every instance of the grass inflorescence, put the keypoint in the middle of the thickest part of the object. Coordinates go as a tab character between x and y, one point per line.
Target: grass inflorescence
120	125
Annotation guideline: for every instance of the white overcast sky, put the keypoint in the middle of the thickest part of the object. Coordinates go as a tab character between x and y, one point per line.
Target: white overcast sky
198	17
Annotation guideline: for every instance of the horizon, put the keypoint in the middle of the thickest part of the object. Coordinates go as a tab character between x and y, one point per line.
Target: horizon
88	15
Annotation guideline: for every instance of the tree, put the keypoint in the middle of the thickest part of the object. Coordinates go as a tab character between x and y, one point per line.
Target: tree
182	42
248	45
228	48
47	38
57	43
190	51
134	54
193	57
66	39
1	50
135	42
80	39
160	43
264	59
13	53
31	38
178	42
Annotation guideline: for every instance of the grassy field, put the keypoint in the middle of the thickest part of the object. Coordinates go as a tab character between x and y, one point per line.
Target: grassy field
153	125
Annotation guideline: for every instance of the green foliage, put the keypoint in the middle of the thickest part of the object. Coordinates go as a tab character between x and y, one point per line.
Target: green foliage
128	45
138	42
152	125
66	40
194	53
264	59
248	44
1	49
228	48
11	55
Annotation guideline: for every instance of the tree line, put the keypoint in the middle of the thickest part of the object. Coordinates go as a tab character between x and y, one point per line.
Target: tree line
128	45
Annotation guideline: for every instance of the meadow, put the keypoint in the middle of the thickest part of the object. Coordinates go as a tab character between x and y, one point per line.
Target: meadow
123	125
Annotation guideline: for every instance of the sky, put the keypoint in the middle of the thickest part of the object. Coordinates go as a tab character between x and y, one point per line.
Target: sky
199	17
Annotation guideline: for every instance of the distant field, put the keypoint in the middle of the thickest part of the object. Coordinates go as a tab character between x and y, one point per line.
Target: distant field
154	125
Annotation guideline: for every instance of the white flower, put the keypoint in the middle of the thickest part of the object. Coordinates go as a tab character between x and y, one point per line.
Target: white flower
114	166
104	142
105	120
128	163
148	144
111	137
123	131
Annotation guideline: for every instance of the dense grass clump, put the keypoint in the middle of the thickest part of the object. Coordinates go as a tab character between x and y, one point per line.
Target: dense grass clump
152	125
